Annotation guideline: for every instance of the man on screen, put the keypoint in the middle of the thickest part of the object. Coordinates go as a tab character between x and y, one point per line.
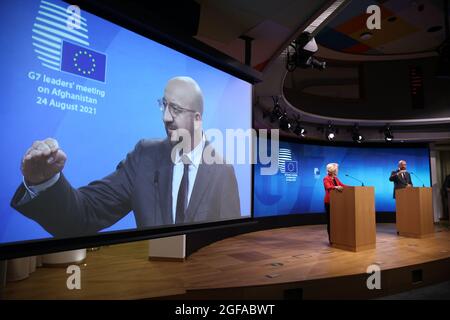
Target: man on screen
163	182
400	177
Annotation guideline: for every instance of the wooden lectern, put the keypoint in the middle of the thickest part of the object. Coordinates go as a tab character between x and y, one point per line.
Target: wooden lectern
352	218
414	212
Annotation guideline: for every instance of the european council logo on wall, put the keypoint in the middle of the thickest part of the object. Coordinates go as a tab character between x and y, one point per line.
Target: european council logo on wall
287	166
61	41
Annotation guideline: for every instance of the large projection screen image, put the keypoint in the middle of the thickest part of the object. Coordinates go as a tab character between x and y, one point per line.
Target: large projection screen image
298	188
106	130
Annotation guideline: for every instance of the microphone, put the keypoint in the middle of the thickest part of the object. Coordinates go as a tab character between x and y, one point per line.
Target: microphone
423	184
362	183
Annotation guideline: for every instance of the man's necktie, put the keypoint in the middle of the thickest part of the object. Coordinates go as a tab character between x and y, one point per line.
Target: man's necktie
182	199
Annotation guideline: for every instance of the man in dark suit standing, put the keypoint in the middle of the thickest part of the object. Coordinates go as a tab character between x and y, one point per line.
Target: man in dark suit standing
176	180
401	177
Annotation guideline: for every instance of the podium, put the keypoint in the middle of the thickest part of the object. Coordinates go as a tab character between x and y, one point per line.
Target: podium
414	212
352	218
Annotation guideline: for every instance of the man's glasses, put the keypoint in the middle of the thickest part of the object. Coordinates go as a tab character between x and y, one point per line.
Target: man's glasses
174	109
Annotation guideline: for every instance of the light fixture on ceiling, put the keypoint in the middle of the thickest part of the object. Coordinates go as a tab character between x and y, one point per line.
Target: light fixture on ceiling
388	136
285	122
301	54
299	130
330	133
276	111
356	135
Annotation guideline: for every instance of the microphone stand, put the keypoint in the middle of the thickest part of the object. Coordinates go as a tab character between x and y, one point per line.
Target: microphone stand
362	183
423	184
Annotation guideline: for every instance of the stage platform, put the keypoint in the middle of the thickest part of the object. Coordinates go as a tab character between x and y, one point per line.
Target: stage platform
285	263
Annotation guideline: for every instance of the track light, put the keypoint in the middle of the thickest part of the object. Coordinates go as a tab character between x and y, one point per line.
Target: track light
331	136
285	123
388	136
299	130
330	133
300	53
277	113
356	135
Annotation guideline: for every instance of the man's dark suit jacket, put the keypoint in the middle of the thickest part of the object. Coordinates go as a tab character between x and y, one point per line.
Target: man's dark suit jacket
399	181
142	183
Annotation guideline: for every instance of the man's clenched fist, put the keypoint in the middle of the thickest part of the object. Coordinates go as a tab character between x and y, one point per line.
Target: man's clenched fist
42	161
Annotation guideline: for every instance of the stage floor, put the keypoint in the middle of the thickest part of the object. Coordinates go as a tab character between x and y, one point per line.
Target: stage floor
264	264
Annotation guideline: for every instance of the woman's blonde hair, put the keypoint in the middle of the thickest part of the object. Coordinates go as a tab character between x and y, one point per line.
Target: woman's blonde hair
331	167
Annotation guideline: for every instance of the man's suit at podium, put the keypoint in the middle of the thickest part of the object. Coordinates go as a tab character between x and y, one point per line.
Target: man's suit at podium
400	177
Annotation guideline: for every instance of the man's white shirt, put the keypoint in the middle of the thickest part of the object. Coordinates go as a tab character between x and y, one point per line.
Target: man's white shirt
194	159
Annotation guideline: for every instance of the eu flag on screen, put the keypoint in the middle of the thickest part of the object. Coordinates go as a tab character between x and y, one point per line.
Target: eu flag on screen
290	166
83	62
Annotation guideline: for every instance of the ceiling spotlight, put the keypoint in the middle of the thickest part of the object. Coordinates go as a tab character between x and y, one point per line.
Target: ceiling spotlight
331	136
285	123
277	113
388	136
330	133
356	135
299	130
301	52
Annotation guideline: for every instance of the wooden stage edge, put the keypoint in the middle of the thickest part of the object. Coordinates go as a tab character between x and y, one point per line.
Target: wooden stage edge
286	263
